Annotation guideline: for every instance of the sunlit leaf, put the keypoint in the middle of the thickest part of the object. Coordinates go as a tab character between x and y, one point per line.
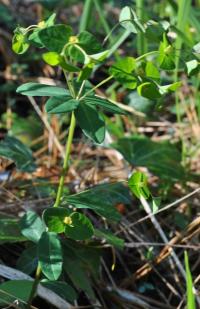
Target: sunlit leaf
190	293
19	43
138	185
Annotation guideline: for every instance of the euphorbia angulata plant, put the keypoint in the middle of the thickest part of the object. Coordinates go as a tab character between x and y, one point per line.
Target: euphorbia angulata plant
63	226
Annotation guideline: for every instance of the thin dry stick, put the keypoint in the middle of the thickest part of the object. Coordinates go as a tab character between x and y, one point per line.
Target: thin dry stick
165	239
157	226
47	125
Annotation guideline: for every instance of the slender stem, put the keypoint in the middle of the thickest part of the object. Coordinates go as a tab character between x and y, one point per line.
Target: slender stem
154	52
97	86
35	285
66	160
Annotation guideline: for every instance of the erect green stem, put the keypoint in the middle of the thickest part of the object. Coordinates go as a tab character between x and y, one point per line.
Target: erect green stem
35	285
59	192
66	160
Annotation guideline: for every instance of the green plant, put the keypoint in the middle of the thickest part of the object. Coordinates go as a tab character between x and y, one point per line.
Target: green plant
63	238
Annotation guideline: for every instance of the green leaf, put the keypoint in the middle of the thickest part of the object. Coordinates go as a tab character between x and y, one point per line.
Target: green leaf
91	122
55	37
68	66
52	58
32	226
76	269
110	238
99	56
152	71
80	227
34	36
87	254
63	289
129	20
196	50
149	90
169	88
89	43
140	103
58	105
40	90
9	230
28	260
138	185
50	255
105	104
101	199
19	43
15	289
190	294
162	159
166	58
54	219
122	72
192	67
13	149
155	30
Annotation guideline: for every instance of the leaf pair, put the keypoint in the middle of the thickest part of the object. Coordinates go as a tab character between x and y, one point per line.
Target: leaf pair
75	225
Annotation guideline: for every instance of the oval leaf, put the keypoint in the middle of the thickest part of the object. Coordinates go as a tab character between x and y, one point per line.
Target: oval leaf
40	90
54	219
58	105
105	104
55	37
32	226
149	91
50	255
91	122
80	227
15	289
